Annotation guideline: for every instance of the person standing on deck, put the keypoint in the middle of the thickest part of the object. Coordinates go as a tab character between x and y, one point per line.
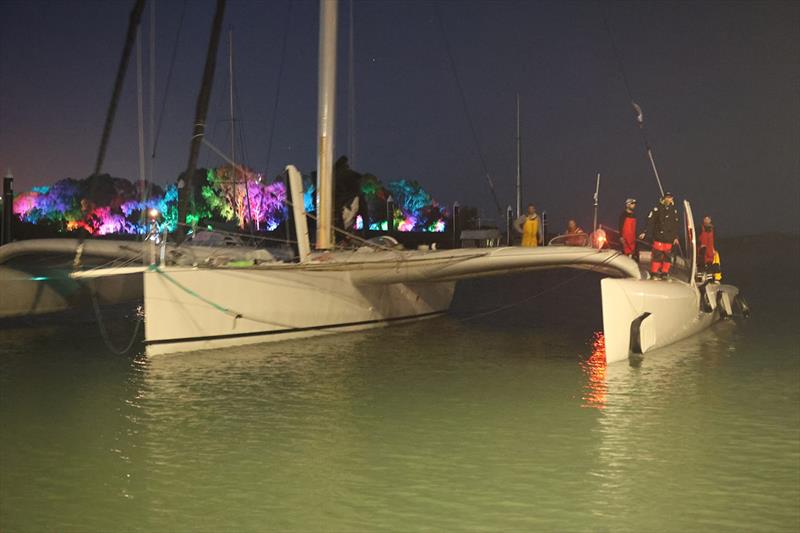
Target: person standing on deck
528	225
627	230
706	249
662	229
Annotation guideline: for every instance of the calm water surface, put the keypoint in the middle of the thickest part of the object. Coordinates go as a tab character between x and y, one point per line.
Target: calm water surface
507	421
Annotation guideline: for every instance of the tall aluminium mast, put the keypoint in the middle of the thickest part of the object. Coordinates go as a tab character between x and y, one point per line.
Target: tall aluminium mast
326	116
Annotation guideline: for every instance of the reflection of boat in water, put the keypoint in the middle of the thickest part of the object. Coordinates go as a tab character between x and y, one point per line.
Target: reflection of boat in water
614	386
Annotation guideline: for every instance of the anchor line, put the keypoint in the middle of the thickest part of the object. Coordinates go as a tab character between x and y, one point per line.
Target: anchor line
102	327
540	293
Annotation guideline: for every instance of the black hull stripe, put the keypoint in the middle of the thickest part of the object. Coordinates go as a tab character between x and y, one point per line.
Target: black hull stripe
290	330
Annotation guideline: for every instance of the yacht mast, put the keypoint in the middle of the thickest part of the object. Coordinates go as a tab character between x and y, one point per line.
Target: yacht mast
130	40
325	116
140	111
351	92
152	106
519	165
186	184
232	118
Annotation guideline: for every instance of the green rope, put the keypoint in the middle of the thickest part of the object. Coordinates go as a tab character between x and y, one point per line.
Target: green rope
189	291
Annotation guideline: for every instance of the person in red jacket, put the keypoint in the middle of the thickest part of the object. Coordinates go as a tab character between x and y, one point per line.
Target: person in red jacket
706	251
627	229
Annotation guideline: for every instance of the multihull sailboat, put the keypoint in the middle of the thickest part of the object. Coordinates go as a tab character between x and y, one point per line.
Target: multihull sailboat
195	308
192	306
189	308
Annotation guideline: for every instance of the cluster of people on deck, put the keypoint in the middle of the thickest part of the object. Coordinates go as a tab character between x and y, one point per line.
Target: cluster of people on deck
662	229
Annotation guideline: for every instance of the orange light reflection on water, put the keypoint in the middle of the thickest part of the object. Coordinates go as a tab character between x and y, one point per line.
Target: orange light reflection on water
596	389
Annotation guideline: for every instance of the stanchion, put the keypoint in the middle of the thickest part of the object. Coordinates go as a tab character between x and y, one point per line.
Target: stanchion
456	225
8	208
509	225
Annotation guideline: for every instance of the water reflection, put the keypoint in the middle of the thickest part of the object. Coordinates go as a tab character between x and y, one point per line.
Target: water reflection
438	425
658	411
594	367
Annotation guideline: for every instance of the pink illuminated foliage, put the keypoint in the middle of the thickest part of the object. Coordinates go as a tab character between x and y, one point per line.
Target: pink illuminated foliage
104	205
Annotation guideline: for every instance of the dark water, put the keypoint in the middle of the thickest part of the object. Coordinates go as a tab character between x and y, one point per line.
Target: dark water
504	421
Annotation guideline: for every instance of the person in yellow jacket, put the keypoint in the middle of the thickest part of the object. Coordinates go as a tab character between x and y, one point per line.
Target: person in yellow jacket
529	227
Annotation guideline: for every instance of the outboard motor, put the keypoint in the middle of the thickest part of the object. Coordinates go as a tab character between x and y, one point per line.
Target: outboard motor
708	300
725	305
741	307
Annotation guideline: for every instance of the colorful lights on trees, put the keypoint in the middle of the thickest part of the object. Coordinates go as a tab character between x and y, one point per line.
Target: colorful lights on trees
103	205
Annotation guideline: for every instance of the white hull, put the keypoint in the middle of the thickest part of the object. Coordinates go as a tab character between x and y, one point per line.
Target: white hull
194	309
189	308
200	308
666	312
22	294
35	275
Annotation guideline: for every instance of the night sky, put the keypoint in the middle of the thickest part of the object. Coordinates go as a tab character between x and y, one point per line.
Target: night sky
719	84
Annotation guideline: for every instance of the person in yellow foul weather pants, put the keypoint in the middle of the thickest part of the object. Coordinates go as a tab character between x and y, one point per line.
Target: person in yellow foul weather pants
529	227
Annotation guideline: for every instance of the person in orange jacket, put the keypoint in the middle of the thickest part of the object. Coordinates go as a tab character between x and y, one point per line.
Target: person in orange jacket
627	229
706	249
575	234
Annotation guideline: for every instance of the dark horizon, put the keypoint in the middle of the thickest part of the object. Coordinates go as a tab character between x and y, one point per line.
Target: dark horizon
717	83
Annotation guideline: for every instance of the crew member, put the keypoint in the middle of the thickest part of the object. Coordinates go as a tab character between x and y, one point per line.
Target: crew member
662	229
528	225
706	251
575	235
627	230
349	198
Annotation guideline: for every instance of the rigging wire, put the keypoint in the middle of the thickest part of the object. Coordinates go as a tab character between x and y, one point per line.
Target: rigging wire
466	108
140	124
236	101
130	39
278	87
169	80
637	109
539	293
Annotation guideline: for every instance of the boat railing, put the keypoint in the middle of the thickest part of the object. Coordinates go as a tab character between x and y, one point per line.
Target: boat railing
571	239
615	243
